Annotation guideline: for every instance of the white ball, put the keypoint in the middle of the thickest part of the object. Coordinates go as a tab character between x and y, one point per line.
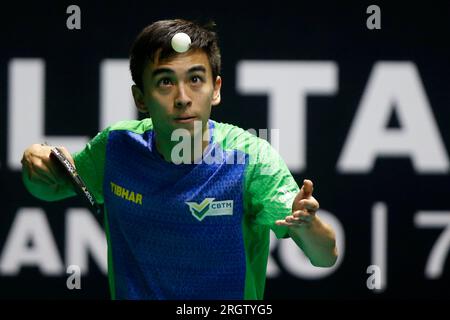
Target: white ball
181	42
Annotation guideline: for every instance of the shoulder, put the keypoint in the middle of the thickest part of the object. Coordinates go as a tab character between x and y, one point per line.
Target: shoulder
136	126
263	158
231	137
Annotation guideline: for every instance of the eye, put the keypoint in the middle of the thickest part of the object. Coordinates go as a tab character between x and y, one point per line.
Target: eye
196	79
164	82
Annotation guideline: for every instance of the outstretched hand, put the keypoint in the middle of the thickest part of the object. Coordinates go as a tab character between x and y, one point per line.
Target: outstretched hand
304	207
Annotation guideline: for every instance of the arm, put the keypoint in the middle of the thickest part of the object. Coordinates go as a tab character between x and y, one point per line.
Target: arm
309	232
41	177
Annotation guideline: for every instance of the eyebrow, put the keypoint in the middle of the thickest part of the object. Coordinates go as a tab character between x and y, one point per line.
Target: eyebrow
196	68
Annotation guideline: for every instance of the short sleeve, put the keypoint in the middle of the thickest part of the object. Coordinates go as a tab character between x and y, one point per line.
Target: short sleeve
90	164
270	188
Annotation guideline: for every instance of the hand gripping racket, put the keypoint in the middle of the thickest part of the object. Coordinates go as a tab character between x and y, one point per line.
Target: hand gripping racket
71	172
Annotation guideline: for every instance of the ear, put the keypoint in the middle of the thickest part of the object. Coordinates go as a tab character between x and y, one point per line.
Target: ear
216	92
138	99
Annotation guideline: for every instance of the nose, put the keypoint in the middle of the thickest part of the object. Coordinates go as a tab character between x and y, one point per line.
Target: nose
182	100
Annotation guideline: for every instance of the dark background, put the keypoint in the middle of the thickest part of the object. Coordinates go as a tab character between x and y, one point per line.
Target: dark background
309	30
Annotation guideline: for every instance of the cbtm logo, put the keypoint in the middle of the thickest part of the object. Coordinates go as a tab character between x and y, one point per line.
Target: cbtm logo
209	207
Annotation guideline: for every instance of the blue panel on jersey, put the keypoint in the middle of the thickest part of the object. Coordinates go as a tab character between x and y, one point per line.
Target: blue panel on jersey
161	247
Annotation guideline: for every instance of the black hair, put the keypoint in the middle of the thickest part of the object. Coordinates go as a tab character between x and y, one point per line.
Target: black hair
154	41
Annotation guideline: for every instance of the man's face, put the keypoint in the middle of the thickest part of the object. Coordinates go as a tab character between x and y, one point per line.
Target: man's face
178	91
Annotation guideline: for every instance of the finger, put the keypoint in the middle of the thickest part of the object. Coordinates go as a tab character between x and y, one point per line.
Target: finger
292	219
300	213
53	173
67	154
307	189
283	223
309	204
26	167
38	178
306	219
303	216
57	173
43	171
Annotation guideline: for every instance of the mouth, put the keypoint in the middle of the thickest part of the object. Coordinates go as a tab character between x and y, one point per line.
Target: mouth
185	119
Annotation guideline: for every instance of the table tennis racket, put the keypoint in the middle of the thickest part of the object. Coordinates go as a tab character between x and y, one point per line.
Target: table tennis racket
71	172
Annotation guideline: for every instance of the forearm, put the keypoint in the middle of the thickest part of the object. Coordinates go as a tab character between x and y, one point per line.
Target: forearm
317	240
